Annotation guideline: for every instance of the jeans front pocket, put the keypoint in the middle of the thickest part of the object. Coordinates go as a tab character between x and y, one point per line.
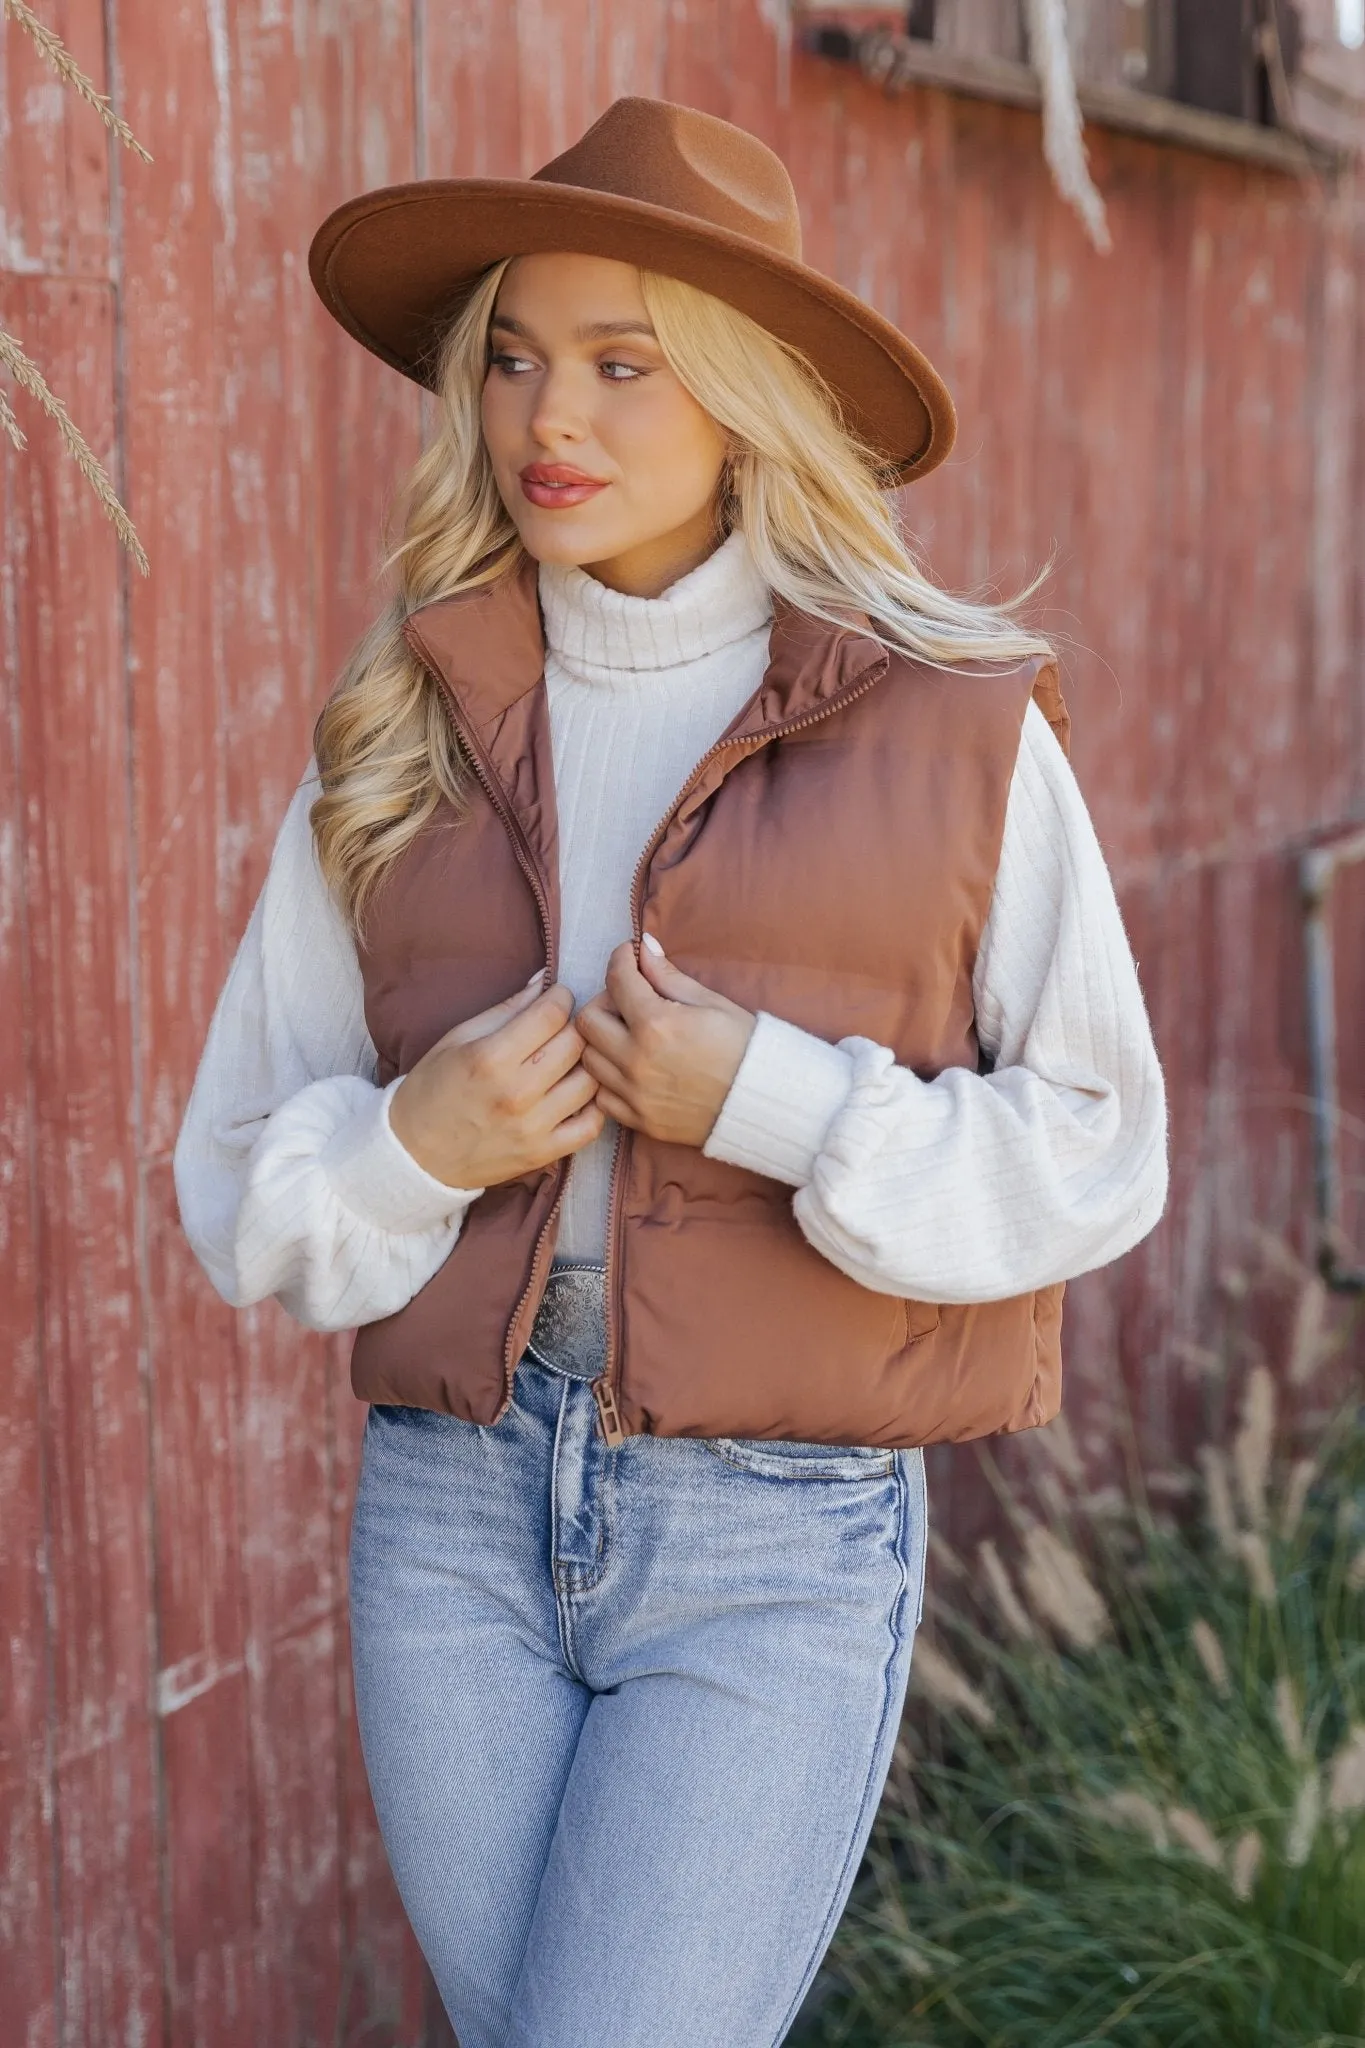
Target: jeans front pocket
784	1458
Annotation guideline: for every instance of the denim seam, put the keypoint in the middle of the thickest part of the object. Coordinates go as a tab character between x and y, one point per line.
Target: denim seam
897	1630
586	1578
872	1468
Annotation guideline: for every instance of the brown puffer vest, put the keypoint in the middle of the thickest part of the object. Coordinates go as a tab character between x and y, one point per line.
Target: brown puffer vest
831	860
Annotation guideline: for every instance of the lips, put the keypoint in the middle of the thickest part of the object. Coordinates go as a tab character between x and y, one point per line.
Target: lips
558	484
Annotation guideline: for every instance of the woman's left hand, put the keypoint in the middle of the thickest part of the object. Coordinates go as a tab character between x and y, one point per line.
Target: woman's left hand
662	1048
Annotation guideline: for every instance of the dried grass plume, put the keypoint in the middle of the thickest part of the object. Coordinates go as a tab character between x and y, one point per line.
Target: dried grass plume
1209	1649
1008	1605
945	1687
1060	1592
1254	1442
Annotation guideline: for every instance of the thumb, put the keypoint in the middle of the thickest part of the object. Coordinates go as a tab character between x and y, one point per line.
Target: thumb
666	979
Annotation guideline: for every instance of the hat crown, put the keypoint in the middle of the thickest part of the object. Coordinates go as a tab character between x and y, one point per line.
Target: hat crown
690	163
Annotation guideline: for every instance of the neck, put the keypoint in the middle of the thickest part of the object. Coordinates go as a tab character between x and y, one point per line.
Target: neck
649	569
601	634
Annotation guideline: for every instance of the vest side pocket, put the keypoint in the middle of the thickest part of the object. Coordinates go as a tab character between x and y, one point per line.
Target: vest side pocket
1045	1395
920	1319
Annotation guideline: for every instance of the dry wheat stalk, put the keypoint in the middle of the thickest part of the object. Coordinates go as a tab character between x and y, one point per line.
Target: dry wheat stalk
9	425
1244	1863
1303	1822
1209	1649
30	378
20	366
70	73
1251	1447
1194	1833
1346	1776
1009	1606
939	1679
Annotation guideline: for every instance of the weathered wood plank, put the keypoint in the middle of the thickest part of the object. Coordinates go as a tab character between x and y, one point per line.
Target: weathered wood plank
553	77
179	213
28	1905
365	432
265	608
471	116
73	751
54	161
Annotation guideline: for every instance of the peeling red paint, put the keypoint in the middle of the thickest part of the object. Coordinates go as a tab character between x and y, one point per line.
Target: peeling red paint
188	1851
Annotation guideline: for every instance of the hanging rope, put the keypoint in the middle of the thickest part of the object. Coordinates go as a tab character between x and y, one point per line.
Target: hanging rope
1063	142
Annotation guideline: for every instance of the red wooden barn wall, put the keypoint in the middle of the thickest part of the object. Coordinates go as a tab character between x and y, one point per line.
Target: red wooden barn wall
188	1852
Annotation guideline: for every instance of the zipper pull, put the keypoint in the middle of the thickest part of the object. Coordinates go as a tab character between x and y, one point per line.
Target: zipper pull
608	1414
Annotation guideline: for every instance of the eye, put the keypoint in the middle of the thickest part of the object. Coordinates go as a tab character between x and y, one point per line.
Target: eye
617	372
510	365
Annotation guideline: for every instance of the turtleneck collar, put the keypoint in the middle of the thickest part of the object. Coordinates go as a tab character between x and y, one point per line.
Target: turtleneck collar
601	636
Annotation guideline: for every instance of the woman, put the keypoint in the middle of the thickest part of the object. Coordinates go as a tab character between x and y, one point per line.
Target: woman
688	1028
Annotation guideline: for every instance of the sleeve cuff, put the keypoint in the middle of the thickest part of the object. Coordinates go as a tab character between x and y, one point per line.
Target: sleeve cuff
788	1091
371	1170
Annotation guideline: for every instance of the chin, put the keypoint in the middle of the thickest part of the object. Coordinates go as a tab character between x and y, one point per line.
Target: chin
554	540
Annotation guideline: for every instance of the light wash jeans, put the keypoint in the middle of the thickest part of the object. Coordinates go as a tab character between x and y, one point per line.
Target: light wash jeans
626	1713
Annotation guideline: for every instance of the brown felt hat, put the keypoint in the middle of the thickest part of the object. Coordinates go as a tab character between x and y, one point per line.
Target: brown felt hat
660	186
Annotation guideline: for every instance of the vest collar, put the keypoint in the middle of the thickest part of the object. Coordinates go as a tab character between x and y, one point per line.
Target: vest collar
487	646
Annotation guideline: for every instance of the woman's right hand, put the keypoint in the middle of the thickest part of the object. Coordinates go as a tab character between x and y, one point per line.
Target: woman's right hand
500	1095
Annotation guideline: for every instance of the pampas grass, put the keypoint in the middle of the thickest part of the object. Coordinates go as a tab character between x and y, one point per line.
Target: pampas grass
1132	1806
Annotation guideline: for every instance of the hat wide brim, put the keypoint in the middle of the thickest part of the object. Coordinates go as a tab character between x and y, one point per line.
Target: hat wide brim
392	267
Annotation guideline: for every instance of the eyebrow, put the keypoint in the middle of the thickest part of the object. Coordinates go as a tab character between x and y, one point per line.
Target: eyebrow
592	330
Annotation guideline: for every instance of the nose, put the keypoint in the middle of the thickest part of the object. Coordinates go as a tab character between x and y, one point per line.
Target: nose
558	414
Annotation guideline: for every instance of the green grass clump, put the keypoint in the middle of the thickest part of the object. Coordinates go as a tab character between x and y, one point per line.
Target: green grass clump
1129	1802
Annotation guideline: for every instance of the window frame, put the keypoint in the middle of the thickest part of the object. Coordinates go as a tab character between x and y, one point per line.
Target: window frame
1325	131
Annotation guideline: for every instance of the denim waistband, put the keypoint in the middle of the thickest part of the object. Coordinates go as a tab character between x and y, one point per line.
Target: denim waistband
569	1334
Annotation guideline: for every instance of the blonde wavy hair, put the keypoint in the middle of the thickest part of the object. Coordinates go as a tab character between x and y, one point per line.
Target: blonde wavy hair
810	500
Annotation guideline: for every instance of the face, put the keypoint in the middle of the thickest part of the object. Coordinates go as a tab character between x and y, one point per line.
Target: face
603	460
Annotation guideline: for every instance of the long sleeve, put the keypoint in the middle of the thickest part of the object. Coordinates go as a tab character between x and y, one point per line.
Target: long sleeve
973	1187
290	1179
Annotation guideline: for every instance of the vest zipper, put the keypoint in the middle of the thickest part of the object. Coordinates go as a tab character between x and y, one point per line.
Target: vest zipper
526	859
603	1387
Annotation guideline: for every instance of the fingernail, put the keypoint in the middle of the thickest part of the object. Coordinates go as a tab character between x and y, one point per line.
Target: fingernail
648	939
539	975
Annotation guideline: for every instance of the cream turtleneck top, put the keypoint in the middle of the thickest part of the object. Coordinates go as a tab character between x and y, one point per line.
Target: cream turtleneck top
969	1187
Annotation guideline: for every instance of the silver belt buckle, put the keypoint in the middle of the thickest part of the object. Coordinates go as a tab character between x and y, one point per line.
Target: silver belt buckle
569	1334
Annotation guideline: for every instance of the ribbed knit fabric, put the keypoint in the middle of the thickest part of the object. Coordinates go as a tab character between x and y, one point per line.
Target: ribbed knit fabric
968	1187
638	690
